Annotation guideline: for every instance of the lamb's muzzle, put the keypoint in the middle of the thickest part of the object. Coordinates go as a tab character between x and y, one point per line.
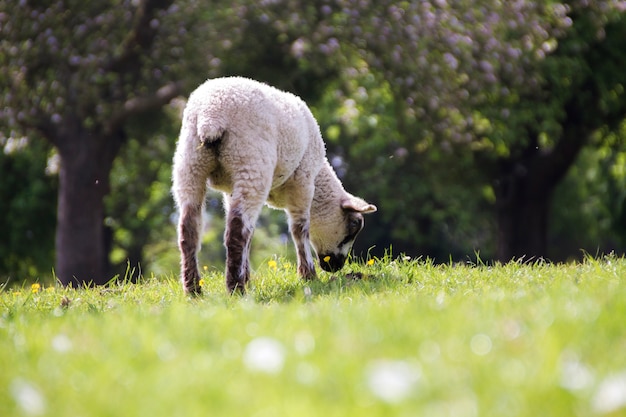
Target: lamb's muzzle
331	262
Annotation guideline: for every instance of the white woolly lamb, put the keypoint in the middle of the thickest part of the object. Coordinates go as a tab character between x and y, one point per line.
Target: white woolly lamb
259	145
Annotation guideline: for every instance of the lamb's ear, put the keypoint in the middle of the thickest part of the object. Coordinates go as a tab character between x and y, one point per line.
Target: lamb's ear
352	203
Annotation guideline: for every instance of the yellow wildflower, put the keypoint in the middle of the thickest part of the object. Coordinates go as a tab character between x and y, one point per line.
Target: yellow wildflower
370	262
201	283
326	258
206	268
272	264
35	288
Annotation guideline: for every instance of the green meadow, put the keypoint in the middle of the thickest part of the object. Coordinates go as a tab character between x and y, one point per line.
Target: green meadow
390	337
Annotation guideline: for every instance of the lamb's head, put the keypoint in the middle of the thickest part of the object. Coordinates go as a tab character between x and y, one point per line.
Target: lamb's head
333	231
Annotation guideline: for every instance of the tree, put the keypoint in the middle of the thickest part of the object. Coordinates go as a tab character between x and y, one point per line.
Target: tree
583	90
521	85
75	73
87	77
423	206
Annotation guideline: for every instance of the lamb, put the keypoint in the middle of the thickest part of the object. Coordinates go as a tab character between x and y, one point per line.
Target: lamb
259	145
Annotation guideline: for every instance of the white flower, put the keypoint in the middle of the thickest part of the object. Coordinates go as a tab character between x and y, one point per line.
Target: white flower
61	343
481	344
392	380
28	397
264	354
611	394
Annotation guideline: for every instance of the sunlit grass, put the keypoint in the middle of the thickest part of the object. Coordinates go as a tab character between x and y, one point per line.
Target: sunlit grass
384	337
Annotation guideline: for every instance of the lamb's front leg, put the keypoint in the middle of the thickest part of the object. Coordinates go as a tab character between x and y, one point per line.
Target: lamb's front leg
189	226
237	240
300	232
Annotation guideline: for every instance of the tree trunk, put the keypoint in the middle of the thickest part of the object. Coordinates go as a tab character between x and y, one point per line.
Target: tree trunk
81	253
525	187
522	219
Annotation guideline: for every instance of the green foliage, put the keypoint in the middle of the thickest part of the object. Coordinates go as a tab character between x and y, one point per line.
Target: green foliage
139	208
502	96
406	337
80	60
271	47
27	212
388	157
598	180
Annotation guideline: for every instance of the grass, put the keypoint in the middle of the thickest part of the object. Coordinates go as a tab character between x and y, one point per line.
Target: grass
396	337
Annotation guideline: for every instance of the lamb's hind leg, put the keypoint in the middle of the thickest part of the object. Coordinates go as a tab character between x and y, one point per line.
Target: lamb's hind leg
244	207
189	228
189	174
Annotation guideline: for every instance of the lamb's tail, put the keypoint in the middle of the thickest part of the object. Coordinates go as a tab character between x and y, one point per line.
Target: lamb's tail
213	142
210	131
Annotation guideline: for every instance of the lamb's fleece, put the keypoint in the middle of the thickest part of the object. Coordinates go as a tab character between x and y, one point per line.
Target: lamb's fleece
258	144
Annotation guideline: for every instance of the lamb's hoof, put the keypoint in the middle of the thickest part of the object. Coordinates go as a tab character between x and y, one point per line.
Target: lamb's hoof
349	277
309	277
236	287
307	274
193	290
354	276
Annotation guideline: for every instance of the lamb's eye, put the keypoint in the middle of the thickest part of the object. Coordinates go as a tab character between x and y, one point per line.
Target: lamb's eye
354	224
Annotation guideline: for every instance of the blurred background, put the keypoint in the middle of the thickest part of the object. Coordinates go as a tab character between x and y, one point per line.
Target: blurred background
484	130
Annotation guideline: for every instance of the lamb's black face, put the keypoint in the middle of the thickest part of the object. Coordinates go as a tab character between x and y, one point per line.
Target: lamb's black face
333	261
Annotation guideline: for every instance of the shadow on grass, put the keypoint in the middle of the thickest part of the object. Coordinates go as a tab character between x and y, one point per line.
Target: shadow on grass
343	284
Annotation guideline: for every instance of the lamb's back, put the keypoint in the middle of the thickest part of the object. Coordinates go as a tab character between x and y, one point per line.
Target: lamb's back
250	108
259	121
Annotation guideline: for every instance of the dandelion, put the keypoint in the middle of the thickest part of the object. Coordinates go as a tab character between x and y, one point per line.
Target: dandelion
206	268
201	283
326	258
272	264
370	262
35	288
